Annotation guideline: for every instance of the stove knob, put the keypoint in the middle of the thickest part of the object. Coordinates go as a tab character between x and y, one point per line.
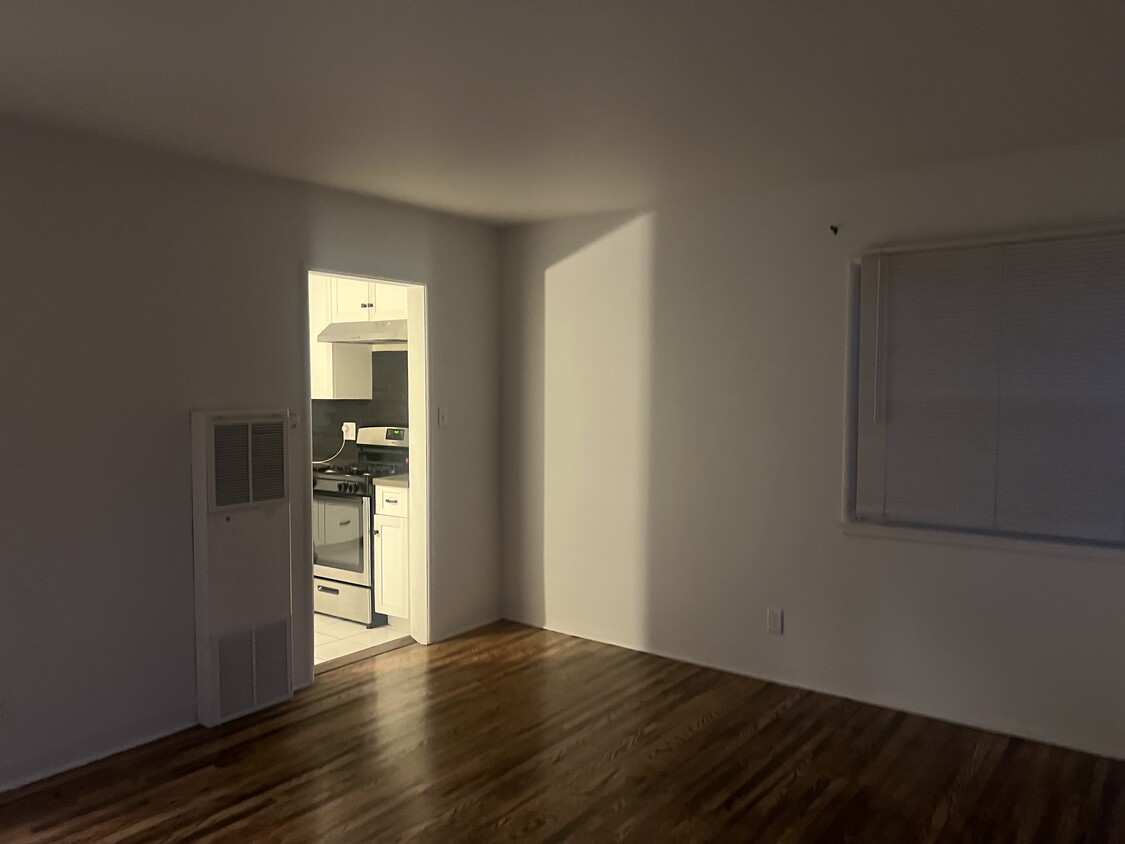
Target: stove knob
340	487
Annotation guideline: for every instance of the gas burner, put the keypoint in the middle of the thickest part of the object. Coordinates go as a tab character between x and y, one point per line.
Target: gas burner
380	470
380	452
334	470
367	470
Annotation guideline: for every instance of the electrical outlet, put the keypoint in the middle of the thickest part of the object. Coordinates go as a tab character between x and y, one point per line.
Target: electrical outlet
775	621
349	431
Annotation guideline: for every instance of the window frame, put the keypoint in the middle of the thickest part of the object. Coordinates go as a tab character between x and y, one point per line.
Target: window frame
985	538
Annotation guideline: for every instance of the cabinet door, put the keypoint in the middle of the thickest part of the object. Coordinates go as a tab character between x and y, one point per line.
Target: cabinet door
392	567
320	354
351	371
390	298
352	300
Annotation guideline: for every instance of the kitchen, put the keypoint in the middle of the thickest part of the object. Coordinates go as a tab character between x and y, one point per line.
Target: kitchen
361	447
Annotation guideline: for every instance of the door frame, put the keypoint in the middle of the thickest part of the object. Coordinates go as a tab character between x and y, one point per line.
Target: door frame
418	381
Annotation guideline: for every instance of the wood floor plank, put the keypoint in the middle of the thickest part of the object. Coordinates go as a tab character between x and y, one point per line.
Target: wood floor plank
517	734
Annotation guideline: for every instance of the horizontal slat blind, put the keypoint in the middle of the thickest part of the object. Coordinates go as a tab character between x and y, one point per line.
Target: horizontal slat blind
871	436
942	365
1062	390
991	388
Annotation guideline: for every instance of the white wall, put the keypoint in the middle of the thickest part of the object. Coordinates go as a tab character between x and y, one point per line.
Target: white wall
599	299
139	286
743	309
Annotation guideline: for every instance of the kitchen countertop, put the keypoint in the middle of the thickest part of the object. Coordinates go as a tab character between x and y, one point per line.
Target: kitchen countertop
401	481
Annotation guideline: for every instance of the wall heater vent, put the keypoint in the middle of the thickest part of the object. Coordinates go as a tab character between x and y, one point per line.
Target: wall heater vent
253	669
242	528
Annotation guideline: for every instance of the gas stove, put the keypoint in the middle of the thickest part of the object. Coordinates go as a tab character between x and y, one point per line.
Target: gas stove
381	452
343	521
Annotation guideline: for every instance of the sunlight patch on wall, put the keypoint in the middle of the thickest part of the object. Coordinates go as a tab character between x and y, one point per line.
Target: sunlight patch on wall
598	305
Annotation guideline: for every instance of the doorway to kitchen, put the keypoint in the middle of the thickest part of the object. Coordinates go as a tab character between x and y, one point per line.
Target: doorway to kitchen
369	445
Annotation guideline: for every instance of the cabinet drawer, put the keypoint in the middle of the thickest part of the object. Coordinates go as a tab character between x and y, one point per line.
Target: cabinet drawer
390	500
342	600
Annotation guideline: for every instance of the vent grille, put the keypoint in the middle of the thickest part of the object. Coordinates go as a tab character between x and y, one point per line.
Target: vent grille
249	461
254	669
267	448
236	673
271	663
232	464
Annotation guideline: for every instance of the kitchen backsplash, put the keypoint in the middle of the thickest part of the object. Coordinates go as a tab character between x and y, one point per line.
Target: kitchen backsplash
388	406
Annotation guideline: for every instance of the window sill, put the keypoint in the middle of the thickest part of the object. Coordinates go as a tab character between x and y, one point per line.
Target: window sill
1012	545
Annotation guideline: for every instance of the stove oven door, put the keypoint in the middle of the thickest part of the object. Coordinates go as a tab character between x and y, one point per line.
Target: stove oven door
342	538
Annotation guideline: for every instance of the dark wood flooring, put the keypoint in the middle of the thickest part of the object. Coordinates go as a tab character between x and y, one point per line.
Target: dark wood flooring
516	734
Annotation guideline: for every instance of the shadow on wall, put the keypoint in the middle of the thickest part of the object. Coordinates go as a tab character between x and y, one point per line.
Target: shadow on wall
674	401
173	284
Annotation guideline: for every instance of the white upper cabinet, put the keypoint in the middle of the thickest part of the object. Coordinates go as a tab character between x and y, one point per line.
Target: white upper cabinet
320	354
338	370
353	300
390	298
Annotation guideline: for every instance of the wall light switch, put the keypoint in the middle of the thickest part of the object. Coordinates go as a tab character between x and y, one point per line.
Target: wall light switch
775	621
349	431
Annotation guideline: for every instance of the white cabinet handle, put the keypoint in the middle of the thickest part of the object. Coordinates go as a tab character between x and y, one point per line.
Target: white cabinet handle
391	500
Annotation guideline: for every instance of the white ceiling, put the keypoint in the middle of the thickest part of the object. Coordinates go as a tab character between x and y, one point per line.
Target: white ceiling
526	109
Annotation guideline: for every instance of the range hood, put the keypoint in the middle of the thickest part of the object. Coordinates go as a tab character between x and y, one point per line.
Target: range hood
385	333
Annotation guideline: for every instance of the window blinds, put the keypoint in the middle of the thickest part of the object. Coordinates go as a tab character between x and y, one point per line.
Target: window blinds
991	392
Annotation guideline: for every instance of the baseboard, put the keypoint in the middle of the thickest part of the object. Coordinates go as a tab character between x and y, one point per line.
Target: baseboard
49	769
1002	727
466	625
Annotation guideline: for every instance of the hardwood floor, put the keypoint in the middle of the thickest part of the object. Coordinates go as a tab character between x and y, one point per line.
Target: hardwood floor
516	734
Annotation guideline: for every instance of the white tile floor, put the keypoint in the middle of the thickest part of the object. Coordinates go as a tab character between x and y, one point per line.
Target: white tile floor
335	637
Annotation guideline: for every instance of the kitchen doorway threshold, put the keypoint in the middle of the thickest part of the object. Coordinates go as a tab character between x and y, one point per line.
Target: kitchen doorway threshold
364	653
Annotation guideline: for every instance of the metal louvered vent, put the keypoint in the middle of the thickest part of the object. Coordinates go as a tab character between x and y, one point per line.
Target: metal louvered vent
267	447
236	673
232	464
271	663
249	461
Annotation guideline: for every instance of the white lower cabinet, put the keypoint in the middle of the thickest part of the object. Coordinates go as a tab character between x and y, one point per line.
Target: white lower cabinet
392	566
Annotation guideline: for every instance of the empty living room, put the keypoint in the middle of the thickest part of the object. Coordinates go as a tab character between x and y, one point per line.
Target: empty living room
562	420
